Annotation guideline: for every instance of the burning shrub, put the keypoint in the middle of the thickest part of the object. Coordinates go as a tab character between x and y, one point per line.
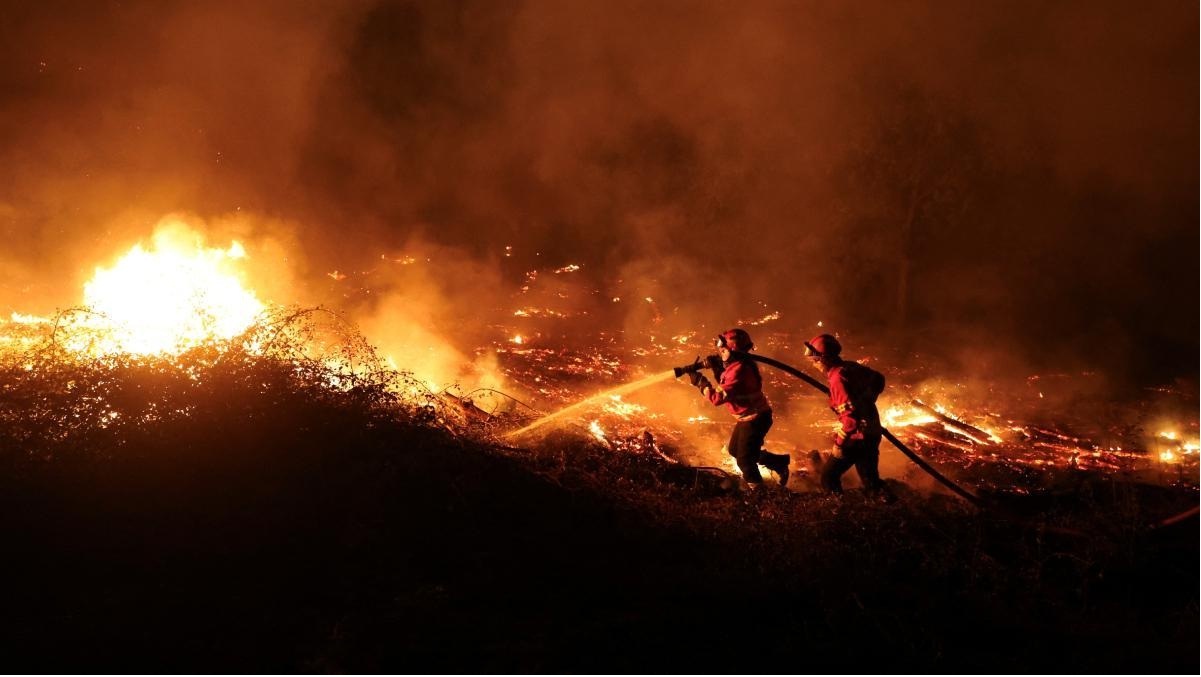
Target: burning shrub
60	402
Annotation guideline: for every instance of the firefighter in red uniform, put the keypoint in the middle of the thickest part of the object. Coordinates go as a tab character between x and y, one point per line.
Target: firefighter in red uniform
740	388
853	392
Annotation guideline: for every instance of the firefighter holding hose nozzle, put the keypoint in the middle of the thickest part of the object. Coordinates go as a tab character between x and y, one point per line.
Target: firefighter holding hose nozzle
740	388
853	392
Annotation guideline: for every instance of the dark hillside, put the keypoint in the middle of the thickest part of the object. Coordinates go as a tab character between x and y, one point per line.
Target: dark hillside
270	525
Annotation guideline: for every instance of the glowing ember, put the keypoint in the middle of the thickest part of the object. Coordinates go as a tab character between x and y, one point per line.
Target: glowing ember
900	417
172	296
597	431
530	311
623	409
761	321
729	463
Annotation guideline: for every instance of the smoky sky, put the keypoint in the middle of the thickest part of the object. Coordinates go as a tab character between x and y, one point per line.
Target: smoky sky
1016	174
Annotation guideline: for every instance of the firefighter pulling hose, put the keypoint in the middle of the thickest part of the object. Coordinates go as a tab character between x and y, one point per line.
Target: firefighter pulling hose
853	391
813	350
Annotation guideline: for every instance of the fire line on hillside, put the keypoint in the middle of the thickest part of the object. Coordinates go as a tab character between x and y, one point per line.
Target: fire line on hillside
177	293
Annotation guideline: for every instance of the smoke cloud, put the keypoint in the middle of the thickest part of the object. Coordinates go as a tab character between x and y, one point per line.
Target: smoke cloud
992	182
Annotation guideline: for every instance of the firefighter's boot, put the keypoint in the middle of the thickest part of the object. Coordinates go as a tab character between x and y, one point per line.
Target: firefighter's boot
777	463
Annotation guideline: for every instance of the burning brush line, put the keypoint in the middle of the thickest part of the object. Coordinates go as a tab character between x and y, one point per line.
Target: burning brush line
177	300
1010	457
994	452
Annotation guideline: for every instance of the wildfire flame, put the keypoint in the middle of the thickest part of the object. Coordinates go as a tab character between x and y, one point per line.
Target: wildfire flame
174	293
170	296
1179	447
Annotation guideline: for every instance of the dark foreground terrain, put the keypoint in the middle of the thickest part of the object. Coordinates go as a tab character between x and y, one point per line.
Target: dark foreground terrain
251	521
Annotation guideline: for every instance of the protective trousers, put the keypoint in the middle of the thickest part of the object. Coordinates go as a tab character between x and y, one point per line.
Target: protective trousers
746	446
864	455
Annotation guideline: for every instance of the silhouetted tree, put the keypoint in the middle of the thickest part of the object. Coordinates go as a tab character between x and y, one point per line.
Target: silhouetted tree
911	177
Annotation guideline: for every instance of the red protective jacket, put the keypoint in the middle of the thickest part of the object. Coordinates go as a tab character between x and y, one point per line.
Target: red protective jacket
853	392
740	389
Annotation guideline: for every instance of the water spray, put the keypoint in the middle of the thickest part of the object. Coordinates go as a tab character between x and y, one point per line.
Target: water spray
715	363
619	390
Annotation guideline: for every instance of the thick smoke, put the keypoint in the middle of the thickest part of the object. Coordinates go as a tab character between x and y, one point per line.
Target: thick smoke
1006	185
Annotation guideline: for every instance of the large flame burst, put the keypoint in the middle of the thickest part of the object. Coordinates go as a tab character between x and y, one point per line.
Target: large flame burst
170	296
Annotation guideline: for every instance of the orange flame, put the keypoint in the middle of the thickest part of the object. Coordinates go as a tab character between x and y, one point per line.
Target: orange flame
170	296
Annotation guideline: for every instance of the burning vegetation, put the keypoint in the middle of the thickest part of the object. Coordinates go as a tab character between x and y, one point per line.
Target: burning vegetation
187	425
284	500
180	306
394	392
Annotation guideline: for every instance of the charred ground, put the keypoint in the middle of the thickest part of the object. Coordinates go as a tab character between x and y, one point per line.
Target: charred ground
238	515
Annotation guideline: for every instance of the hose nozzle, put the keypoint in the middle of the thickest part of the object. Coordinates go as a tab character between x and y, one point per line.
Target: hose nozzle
689	368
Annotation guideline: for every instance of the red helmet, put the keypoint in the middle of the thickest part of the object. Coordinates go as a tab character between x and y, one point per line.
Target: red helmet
823	346
735	339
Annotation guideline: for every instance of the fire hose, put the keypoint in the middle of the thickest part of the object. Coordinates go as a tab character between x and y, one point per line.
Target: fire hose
715	363
960	491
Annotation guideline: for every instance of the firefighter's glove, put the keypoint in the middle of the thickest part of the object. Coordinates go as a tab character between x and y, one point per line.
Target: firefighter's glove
699	381
836	451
